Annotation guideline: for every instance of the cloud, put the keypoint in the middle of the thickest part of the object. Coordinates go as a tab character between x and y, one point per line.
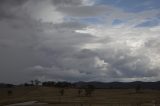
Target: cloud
49	40
149	23
131	6
73	2
130	52
28	42
9	8
67	2
85	11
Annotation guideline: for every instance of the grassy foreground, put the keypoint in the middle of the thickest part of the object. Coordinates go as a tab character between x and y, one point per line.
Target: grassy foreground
100	97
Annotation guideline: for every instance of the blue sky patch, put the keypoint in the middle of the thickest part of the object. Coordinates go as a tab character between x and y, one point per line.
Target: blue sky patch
131	5
149	23
92	20
117	22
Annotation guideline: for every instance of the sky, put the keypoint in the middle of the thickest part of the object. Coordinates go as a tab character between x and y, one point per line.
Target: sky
79	40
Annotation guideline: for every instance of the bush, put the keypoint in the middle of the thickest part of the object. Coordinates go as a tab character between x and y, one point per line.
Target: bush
89	90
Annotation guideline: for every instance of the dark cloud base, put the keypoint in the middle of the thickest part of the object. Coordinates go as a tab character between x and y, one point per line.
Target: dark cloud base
33	49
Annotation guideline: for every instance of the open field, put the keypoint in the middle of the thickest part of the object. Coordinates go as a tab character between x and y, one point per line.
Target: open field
100	97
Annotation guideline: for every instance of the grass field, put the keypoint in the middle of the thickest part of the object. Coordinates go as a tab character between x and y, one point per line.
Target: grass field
100	97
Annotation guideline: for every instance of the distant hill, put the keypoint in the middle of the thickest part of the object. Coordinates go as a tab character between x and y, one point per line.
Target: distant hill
120	85
101	85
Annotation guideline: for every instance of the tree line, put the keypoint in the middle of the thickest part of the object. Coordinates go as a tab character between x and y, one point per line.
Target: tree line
49	84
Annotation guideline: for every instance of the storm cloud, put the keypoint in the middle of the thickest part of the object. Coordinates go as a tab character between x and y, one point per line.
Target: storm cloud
58	40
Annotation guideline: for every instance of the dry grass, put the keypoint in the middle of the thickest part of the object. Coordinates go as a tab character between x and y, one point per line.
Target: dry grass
100	97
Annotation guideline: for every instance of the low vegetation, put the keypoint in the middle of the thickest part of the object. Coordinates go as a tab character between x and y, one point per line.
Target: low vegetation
68	96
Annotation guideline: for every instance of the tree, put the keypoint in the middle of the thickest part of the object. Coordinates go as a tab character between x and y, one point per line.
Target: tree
61	92
80	91
63	84
89	90
37	82
9	85
32	82
48	84
10	92
26	84
138	88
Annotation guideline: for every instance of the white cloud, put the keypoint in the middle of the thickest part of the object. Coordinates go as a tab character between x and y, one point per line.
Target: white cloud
127	42
88	2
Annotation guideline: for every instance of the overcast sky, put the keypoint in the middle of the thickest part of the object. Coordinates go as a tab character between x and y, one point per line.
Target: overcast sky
79	40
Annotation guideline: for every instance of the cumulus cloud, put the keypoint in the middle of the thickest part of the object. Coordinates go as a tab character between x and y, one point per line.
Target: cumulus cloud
47	40
128	51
